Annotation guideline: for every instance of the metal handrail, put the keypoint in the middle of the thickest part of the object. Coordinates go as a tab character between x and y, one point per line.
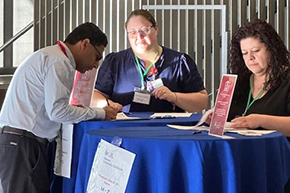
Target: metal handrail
20	33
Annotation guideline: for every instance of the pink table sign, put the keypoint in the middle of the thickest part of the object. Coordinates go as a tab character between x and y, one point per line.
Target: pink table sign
83	88
222	105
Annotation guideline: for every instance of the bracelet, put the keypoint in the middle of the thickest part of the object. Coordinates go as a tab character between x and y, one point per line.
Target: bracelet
175	98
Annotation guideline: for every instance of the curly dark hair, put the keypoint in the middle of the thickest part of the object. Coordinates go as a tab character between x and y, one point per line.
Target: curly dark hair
279	55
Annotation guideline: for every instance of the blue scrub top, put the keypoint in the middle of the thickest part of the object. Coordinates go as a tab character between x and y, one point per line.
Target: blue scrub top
119	75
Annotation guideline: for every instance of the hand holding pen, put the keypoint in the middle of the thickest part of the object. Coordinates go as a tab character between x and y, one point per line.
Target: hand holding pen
111	112
114	105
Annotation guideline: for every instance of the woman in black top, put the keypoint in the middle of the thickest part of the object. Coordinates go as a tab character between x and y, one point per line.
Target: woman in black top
261	61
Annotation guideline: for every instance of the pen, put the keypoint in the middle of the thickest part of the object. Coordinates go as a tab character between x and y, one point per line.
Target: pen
107	102
196	132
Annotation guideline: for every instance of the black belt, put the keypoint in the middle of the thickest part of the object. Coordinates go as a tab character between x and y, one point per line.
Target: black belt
20	132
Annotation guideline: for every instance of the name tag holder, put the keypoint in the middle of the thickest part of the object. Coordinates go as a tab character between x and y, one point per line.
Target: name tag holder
141	96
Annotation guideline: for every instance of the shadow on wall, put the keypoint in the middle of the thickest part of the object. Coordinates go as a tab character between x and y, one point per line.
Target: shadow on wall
4	83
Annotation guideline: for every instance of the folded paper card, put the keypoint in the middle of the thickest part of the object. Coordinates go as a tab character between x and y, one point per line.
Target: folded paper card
123	117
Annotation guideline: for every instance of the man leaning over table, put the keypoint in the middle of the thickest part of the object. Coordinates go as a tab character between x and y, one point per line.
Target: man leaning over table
37	102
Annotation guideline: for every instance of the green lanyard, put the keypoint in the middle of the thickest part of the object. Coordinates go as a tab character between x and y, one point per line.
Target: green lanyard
140	71
250	95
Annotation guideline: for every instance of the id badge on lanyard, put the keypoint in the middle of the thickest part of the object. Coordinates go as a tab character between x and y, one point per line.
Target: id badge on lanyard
141	96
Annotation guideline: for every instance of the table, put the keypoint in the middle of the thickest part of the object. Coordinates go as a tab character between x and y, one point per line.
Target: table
60	184
169	160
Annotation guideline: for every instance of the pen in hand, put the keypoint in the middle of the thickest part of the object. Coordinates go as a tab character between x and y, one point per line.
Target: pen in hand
116	106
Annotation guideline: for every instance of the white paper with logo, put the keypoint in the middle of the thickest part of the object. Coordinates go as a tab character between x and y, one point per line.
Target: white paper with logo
111	169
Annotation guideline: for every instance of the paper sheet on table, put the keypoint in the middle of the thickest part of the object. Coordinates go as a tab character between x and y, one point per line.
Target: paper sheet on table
228	127
171	115
249	132
222	136
183	127
122	117
198	127
195	127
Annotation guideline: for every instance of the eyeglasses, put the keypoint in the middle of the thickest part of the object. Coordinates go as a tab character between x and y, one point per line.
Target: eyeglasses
100	56
144	31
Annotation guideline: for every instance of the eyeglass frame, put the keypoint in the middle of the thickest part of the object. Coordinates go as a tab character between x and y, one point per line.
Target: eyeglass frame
142	32
100	55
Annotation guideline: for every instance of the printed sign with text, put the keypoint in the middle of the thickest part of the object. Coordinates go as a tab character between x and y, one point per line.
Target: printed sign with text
111	169
222	105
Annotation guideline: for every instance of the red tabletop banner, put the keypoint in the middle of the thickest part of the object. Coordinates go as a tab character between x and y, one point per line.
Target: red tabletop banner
222	105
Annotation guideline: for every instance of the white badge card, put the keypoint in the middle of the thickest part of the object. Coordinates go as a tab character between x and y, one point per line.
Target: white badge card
111	169
142	97
152	85
63	153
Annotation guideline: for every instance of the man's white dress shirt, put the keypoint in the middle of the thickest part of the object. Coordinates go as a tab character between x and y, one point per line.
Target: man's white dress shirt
38	96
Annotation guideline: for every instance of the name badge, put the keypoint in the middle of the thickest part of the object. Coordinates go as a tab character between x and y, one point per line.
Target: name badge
152	85
142	97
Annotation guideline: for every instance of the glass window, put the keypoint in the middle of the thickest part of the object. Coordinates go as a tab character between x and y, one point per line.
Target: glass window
22	16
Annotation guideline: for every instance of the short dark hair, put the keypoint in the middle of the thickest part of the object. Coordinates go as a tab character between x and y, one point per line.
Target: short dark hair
279	55
144	13
87	30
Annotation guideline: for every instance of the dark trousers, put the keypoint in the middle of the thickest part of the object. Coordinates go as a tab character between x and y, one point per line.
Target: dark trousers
23	167
287	187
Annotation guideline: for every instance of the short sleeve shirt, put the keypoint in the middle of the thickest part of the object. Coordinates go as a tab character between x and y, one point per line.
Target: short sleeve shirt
119	75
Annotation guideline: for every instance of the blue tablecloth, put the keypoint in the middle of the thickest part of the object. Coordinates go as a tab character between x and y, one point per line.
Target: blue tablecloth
60	184
169	160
